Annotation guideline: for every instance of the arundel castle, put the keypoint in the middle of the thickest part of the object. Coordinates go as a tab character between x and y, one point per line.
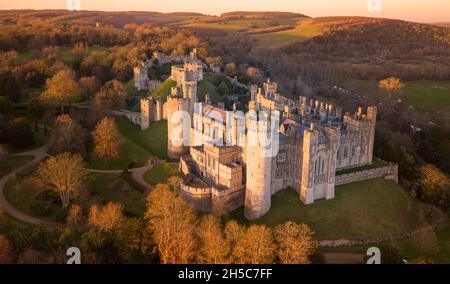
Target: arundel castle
225	171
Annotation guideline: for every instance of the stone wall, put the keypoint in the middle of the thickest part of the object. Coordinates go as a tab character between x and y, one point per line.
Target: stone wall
389	172
209	199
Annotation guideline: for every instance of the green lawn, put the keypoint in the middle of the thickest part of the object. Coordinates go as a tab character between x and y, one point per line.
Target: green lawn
153	140
164	90
428	95
160	173
360	210
138	146
206	87
12	163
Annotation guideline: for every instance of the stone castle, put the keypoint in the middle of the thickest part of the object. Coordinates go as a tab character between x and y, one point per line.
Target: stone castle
186	75
315	139
142	82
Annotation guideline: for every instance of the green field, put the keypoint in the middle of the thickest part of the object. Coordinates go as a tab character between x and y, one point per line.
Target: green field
160	173
304	30
138	146
360	210
12	163
429	96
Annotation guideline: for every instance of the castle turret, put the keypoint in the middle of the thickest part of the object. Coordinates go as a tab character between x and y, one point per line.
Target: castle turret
177	132
190	93
310	139
257	193
141	76
147	109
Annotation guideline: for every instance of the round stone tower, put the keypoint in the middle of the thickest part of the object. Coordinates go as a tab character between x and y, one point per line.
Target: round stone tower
258	191
178	132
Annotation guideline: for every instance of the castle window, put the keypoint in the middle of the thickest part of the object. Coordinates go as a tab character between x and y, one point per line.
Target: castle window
323	166
345	152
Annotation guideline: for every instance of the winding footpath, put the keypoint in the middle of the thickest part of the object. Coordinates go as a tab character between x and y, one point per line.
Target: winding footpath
39	155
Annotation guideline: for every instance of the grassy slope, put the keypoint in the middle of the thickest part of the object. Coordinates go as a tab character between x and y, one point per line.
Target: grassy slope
138	145
160	173
153	140
205	87
360	210
304	30
163	91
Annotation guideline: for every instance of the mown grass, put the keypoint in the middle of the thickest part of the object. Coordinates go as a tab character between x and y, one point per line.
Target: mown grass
429	96
360	210
160	173
164	90
137	146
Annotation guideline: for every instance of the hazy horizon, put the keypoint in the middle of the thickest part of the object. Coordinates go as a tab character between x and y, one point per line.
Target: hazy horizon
412	10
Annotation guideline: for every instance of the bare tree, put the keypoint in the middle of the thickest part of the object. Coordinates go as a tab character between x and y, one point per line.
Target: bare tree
172	222
213	247
107	139
64	174
295	243
107	218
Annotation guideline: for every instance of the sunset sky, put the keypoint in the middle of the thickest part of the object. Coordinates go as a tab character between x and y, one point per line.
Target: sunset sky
415	10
